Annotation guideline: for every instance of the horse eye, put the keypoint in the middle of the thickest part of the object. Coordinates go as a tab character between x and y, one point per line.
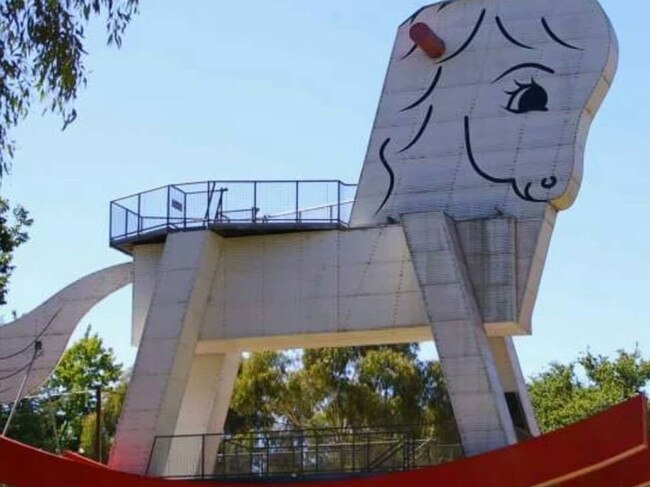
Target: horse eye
528	97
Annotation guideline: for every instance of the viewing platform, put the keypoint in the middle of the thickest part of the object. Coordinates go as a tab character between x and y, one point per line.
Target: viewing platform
230	209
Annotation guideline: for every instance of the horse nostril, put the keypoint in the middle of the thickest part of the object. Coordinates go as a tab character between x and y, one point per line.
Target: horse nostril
427	40
549	183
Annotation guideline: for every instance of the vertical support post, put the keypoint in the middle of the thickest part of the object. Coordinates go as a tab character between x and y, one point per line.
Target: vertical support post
367	451
110	224
292	442
302	454
268	455
159	381
354	450
338	202
184	210
475	390
250	454
139	214
98	424
208	195
254	201
202	457
297	204
168	204
341	459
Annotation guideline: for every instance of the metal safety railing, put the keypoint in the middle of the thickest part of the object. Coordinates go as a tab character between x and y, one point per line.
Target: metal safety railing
297	454
224	204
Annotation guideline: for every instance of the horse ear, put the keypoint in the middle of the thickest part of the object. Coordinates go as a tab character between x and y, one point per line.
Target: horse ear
423	37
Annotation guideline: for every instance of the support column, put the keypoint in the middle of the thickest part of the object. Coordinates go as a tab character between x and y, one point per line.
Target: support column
475	390
162	367
514	387
146	260
217	418
203	412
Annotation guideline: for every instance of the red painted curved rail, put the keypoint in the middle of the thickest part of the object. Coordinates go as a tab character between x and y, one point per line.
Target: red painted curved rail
591	451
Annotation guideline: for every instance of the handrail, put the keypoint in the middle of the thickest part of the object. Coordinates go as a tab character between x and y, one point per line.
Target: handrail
387	455
422	445
115	203
284	453
241	181
191	206
302	210
301	431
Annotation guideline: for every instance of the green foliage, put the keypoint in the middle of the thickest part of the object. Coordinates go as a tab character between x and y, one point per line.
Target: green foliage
42	56
567	393
345	387
112	408
13	225
368	386
33	423
390	385
371	386
85	366
61	416
260	391
438	411
112	401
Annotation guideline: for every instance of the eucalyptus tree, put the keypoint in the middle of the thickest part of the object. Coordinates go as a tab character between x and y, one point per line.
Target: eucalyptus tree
42	54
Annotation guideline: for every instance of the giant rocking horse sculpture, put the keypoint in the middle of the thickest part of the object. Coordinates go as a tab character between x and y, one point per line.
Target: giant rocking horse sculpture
478	143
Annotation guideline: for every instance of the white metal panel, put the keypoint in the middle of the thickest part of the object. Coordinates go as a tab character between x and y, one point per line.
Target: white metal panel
311	283
162	366
145	267
472	379
52	323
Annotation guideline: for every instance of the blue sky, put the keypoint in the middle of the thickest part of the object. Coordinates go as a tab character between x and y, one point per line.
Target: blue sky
288	89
